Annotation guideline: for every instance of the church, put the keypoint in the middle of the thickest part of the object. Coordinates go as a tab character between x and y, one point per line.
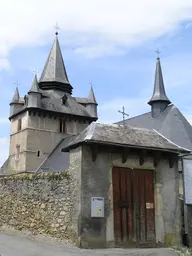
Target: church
125	175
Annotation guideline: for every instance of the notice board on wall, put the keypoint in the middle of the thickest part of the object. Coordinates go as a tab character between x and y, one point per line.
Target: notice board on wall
187	169
97	207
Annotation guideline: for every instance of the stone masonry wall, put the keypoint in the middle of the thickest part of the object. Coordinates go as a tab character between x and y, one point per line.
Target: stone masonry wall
41	203
97	182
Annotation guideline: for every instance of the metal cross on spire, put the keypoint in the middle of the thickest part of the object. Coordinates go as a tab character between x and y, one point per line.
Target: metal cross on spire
17	83
91	83
56	27
35	71
124	114
158	53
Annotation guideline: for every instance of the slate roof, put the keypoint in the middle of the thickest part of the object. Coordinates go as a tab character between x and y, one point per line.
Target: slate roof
84	100
170	123
35	86
159	88
53	85
91	96
21	100
4	169
81	100
52	101
71	106
54	69
15	98
57	161
125	136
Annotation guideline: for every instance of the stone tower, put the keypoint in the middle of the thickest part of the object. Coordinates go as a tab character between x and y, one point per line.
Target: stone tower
47	114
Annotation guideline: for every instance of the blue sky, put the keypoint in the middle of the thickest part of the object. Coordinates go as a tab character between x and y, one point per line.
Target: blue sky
111	43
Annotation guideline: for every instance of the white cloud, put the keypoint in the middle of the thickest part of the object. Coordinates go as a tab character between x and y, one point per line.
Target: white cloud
4	149
4	121
4	64
177	70
93	51
104	25
108	112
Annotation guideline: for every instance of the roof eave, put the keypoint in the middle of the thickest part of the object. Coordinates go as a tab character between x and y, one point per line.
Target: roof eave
178	151
158	100
53	112
53	85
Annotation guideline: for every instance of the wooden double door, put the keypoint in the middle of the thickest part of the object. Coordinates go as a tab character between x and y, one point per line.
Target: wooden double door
134	210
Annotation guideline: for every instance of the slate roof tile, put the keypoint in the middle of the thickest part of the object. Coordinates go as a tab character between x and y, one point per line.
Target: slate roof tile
125	136
171	123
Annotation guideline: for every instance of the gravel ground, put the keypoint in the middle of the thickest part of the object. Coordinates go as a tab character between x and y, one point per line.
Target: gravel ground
45	239
16	243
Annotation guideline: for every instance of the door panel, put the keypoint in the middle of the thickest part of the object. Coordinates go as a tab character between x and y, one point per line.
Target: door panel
133	196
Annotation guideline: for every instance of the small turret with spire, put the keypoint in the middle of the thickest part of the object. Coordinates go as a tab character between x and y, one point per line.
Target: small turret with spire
91	96
15	104
92	103
159	100
34	95
15	98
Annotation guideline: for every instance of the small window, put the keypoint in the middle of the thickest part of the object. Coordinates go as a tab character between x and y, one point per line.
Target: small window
19	125
38	153
61	126
64	99
26	100
17	152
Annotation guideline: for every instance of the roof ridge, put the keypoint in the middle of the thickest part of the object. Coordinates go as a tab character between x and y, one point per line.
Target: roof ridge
90	131
171	141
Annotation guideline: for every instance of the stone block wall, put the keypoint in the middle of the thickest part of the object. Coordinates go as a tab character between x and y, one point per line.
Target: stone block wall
41	203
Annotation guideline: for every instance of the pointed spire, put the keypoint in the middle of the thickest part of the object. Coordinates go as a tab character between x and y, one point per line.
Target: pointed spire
15	98
92	95
54	75
35	86
159	94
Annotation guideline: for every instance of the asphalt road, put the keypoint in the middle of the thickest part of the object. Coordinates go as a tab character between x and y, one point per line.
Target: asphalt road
20	246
